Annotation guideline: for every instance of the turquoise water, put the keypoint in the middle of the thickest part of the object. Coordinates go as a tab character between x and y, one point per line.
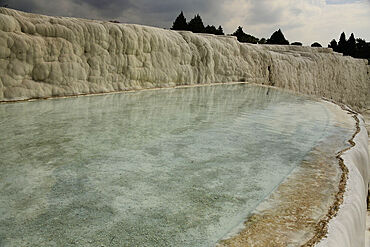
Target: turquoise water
171	167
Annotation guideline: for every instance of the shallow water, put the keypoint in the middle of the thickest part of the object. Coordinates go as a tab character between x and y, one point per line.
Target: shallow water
171	167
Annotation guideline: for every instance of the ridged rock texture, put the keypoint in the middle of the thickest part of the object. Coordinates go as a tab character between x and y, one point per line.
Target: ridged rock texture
42	56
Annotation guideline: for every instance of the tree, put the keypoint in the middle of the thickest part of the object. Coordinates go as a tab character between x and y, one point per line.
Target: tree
361	46
277	38
362	49
210	29
220	31
357	48
316	44
342	44
333	45
262	41
351	45
297	43
196	24
360	41
243	37
180	23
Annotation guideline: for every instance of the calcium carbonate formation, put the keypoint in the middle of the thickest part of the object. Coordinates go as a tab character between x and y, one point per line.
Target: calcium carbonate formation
42	56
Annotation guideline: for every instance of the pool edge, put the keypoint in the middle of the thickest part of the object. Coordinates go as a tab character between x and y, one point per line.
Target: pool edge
346	222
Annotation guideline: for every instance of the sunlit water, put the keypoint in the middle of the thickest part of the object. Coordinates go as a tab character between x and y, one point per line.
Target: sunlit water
173	167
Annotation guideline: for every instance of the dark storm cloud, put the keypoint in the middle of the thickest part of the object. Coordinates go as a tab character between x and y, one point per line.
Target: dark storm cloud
167	10
148	5
306	19
108	8
173	5
24	5
106	4
150	12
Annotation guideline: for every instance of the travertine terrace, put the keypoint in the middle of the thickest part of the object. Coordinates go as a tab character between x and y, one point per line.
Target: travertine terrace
42	56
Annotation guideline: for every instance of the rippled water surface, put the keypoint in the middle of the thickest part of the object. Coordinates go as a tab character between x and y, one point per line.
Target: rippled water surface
173	167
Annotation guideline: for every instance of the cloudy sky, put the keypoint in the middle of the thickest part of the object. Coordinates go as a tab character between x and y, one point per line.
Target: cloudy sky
300	20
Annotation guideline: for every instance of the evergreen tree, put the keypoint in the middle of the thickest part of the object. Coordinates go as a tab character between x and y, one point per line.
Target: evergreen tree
342	43
360	42
210	29
262	41
297	43
243	37
196	24
239	32
333	45
180	23
357	48
277	38
362	49
351	45
316	44
361	46
220	31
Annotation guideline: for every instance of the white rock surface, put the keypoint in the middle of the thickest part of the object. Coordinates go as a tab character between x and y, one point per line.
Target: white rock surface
349	226
42	56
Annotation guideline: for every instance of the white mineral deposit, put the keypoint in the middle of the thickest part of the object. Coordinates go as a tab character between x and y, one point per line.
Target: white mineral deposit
42	56
182	166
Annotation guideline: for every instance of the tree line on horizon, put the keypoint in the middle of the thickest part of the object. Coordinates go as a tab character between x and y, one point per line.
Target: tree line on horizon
195	25
357	48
